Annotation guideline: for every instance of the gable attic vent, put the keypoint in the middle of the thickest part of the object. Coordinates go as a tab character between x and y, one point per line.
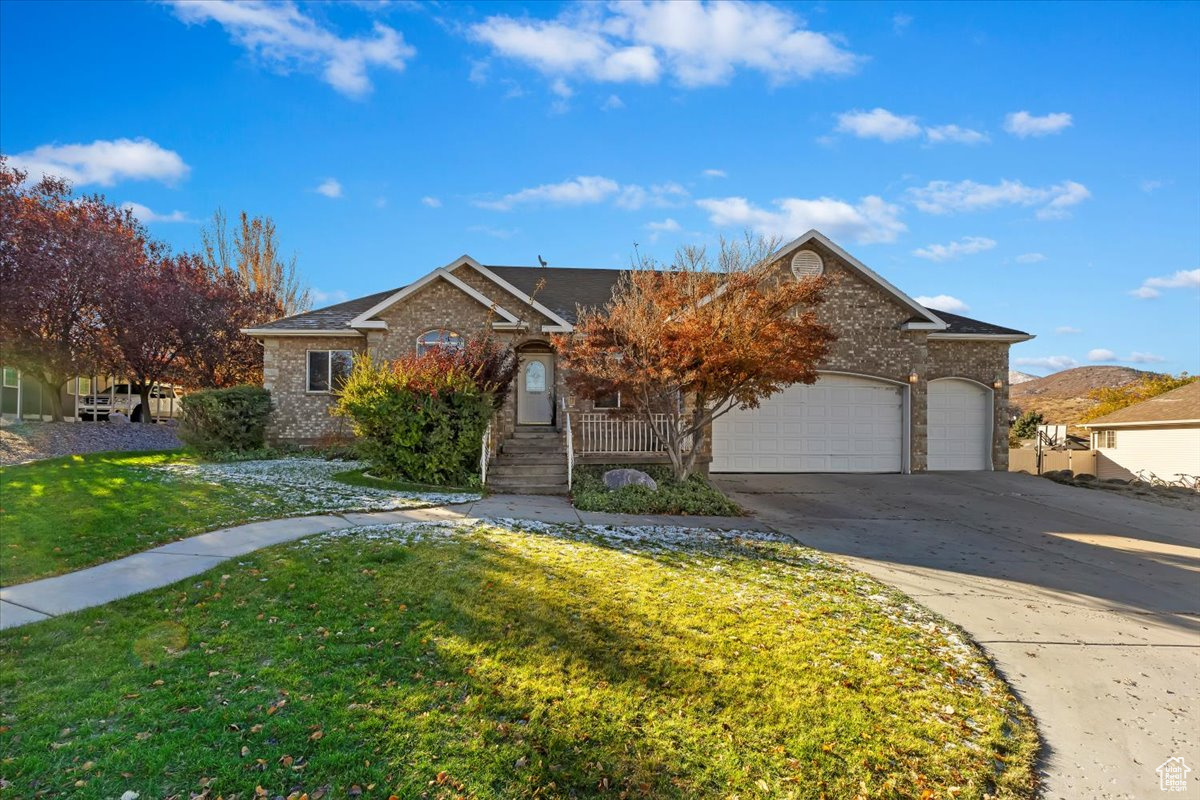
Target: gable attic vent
807	264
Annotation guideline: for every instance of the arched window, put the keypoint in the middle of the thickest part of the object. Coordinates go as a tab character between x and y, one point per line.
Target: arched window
438	338
535	377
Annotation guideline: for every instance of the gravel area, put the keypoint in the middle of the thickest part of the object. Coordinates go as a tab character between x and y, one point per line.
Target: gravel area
22	442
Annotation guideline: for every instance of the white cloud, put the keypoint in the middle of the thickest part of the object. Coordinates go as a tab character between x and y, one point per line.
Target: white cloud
955	134
900	23
584	190
696	44
1151	185
1024	124
280	34
1067	329
1030	258
659	195
330	187
320	297
146	215
879	124
380	201
668	225
714	173
589	190
612	103
1183	279
1145	358
103	162
496	233
944	197
1101	354
967	245
431	201
943	302
871	220
1046	362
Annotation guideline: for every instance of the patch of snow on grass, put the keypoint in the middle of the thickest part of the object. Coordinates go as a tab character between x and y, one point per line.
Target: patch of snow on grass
307	485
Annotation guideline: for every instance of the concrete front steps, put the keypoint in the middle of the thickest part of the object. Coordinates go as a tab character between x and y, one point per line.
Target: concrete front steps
531	461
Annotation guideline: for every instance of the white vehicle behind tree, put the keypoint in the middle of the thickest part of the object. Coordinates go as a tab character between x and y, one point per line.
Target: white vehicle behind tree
125	398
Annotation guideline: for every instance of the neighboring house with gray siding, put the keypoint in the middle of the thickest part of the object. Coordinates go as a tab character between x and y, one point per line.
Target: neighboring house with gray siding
1160	435
904	389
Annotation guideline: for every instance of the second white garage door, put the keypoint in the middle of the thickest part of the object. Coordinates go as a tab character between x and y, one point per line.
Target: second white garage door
839	424
960	425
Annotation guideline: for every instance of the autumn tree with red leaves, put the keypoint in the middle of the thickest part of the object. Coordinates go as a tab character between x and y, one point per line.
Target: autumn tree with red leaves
55	250
695	339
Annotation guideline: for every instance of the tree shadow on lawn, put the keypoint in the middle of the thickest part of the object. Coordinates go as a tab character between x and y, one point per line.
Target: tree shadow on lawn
493	666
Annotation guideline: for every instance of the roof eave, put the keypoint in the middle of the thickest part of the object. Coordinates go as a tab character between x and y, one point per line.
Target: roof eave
262	332
1163	423
1011	338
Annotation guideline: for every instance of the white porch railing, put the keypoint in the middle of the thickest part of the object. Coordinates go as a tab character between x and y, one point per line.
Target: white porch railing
485	454
601	432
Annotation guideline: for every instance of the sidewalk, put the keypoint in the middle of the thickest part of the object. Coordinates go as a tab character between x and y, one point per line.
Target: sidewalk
166	564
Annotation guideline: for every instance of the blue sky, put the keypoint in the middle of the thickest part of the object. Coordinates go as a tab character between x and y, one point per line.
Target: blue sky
1036	166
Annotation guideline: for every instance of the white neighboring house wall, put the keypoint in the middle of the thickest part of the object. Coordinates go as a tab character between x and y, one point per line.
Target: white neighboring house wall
1165	450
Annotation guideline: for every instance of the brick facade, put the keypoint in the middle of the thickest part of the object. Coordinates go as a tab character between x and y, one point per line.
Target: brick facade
300	416
867	320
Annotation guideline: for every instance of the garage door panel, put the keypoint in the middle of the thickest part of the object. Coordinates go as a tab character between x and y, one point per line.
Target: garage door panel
839	424
959	429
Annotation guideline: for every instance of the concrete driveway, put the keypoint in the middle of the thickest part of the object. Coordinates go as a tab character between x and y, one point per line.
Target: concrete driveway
1088	602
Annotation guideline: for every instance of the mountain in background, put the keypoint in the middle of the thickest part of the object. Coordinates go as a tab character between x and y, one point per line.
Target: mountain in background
1063	396
1016	376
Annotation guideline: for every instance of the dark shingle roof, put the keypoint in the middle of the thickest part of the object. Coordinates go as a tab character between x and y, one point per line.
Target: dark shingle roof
566	287
960	324
330	318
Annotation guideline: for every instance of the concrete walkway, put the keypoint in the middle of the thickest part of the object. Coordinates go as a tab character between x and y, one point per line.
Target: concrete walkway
164	565
1089	602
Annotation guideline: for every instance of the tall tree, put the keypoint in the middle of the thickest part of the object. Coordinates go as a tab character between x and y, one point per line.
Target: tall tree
221	355
695	339
54	250
251	253
154	313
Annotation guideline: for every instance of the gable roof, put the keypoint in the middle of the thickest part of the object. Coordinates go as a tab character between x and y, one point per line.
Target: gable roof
929	320
1173	407
567	288
331	318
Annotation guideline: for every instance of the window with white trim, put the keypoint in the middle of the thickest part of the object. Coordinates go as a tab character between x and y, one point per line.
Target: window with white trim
328	369
80	386
1106	439
12	378
438	338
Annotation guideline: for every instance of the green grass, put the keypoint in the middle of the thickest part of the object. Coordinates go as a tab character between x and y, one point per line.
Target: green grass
695	496
67	513
491	663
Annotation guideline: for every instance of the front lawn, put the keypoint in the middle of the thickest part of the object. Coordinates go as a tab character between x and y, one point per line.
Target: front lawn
67	513
510	661
695	496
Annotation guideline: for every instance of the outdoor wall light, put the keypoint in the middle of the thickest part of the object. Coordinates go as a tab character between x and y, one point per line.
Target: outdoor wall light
997	384
913	377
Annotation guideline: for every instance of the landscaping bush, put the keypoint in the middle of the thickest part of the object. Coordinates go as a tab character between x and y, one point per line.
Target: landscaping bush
225	420
695	496
422	418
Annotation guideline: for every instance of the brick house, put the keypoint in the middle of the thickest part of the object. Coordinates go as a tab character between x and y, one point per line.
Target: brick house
905	388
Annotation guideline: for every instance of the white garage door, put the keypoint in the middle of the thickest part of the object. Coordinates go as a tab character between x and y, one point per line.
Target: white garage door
960	426
838	424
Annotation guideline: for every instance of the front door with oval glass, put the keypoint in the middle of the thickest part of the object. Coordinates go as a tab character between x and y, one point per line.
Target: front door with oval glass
535	389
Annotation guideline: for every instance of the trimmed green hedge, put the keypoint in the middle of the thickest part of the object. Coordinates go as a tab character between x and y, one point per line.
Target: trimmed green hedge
225	420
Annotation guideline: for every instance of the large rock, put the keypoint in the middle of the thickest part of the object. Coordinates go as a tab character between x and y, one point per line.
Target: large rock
616	478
